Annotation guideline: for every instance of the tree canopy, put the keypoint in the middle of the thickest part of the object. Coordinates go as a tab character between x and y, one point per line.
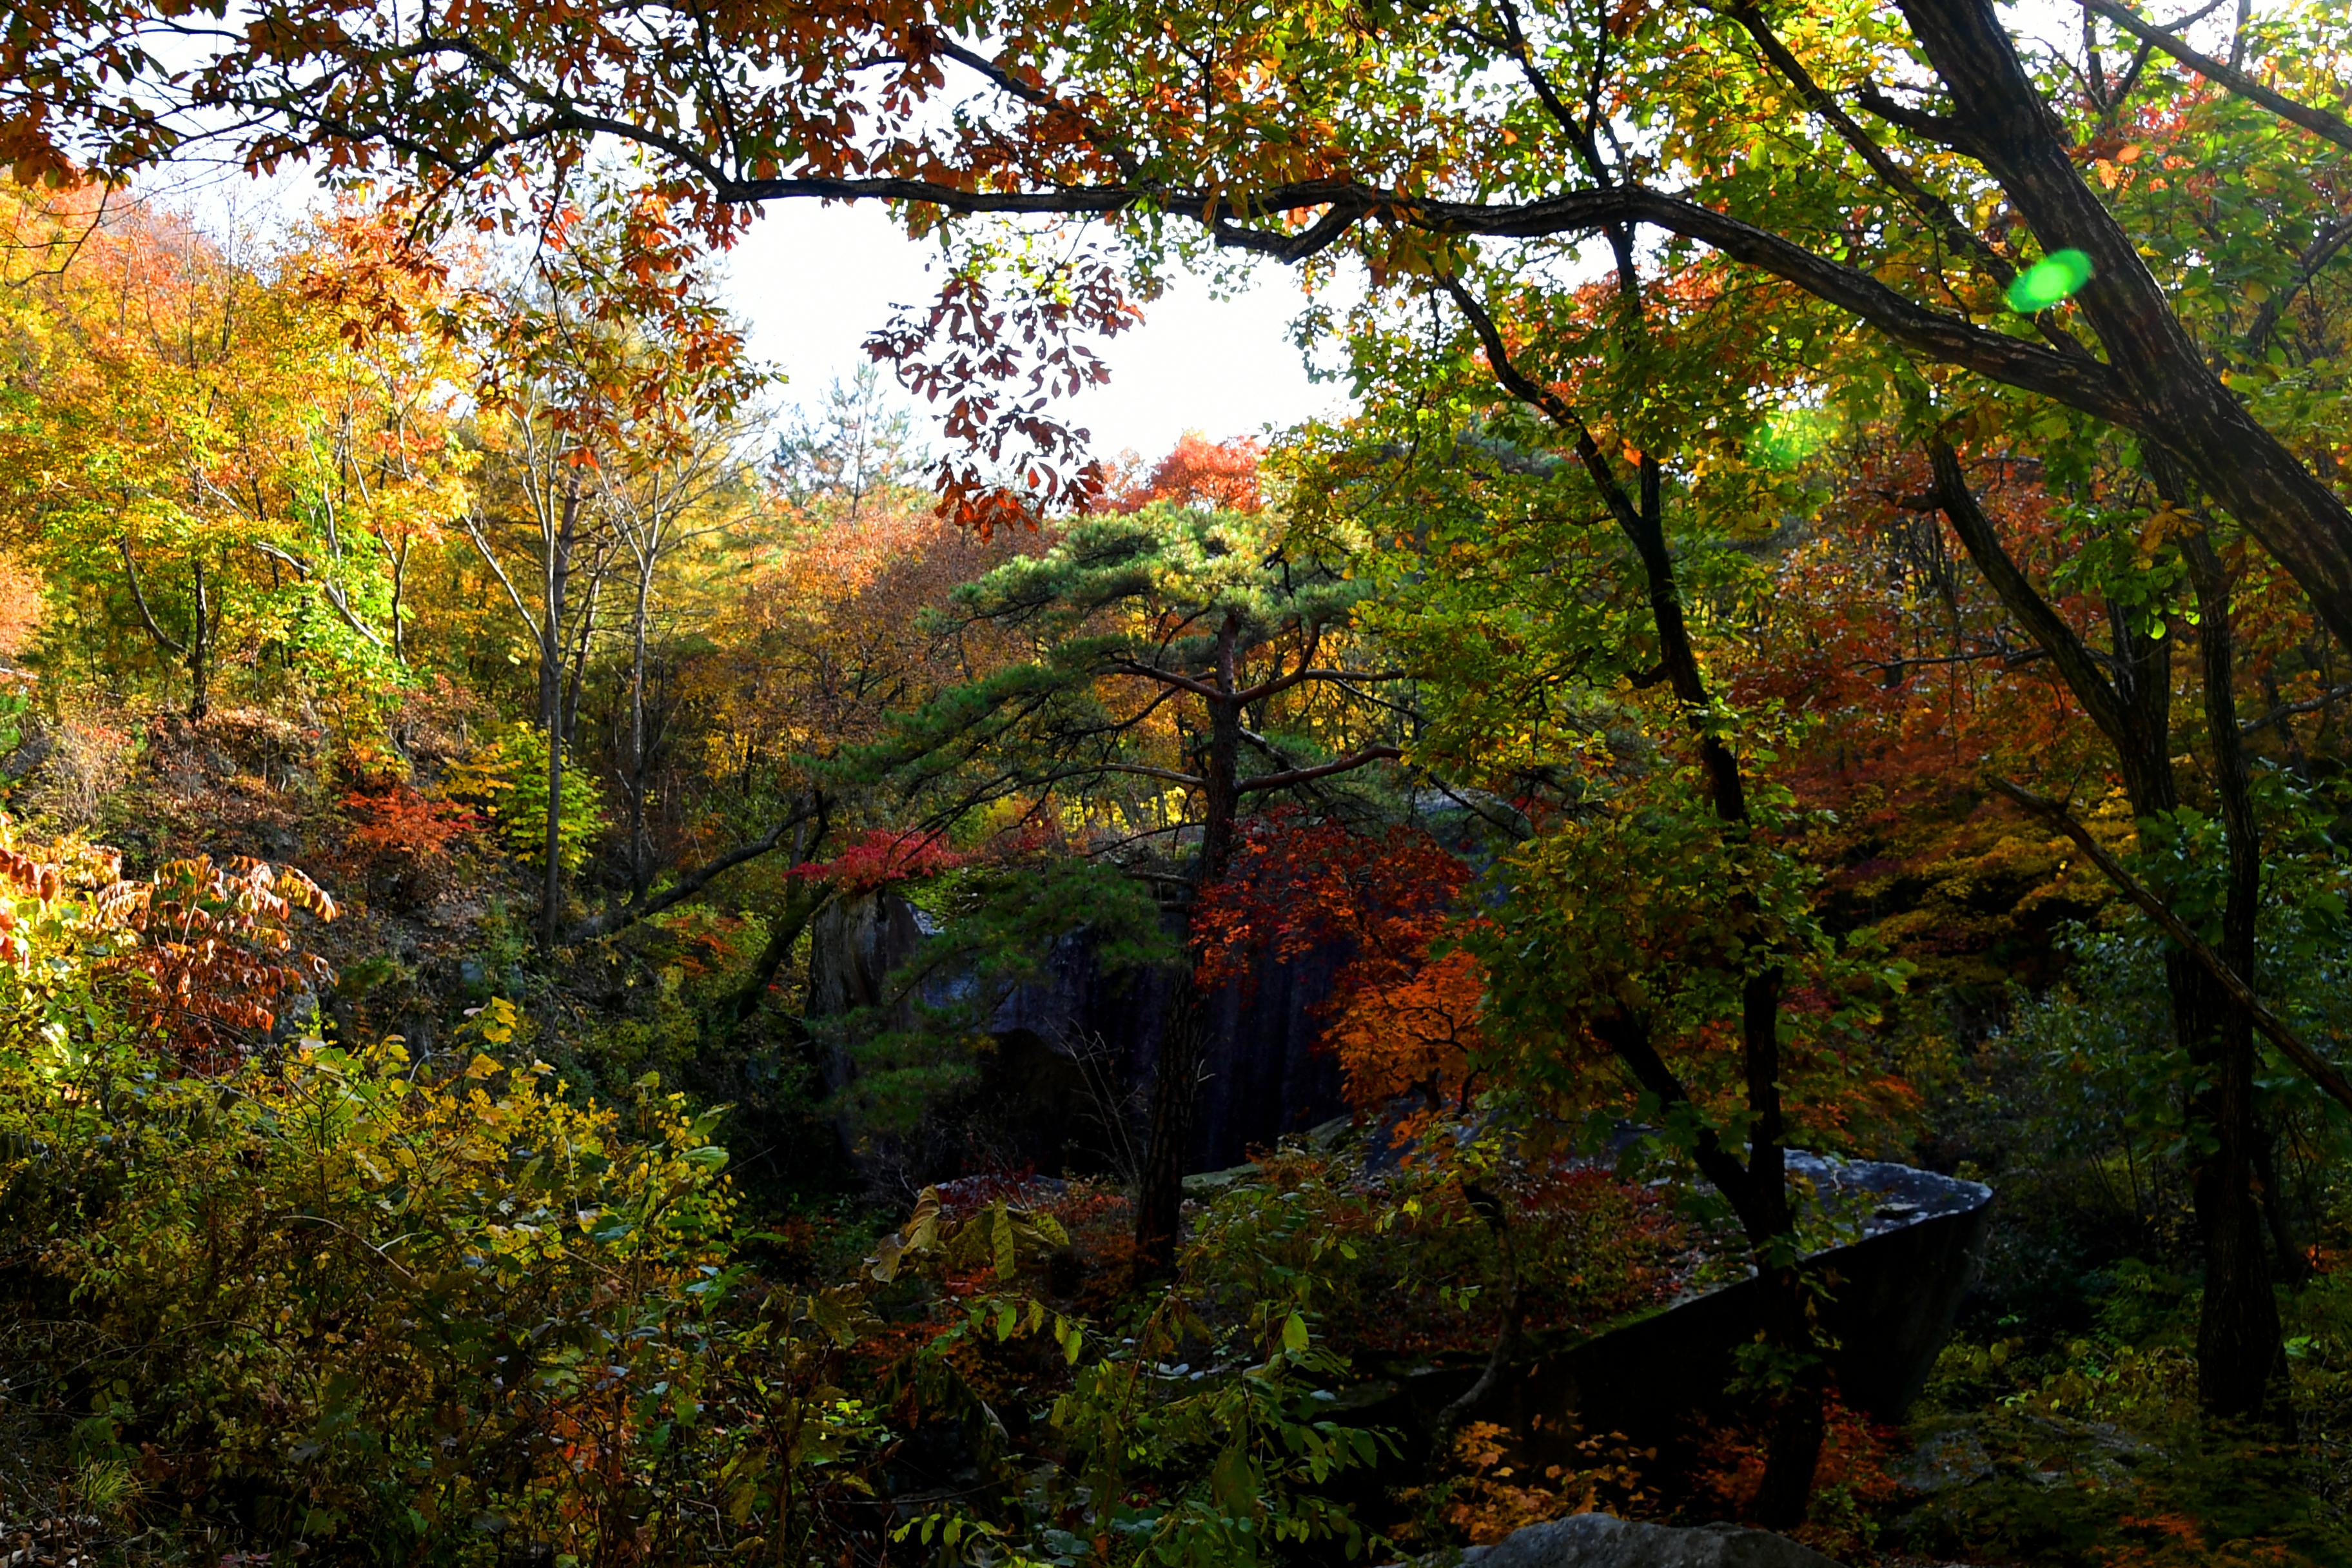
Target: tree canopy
1819	642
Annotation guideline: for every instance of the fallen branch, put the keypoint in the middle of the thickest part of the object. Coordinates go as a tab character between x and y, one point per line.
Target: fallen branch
2291	1045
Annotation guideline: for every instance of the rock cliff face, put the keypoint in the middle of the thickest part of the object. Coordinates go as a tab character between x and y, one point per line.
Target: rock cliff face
1066	1084
854	945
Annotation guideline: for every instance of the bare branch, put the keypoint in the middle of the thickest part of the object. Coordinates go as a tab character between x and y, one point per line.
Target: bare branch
2286	710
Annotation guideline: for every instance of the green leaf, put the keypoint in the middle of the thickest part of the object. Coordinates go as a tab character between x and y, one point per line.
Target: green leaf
1234	1483
1001	1237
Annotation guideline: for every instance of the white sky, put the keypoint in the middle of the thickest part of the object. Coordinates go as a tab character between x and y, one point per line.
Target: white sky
813	281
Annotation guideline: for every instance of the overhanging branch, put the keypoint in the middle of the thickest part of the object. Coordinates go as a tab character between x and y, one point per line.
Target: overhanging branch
2318	121
1291	777
2291	1045
606	922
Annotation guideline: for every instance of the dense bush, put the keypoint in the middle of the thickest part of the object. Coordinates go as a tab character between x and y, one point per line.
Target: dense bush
339	1300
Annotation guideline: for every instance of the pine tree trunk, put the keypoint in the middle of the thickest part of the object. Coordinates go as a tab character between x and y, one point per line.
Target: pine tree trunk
1159	1202
1160	1198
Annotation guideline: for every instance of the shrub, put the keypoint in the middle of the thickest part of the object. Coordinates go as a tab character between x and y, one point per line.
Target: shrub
507	776
207	952
403	840
348	1304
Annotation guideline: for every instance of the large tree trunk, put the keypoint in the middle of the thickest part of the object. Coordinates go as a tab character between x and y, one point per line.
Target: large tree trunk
1796	1419
2238	1336
1175	1085
2006	124
1221	766
1757	1189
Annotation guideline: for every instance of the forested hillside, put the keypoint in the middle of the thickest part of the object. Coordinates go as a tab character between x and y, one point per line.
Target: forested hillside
1730	902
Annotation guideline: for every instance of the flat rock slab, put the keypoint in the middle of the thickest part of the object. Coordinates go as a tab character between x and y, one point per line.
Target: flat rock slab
1598	1541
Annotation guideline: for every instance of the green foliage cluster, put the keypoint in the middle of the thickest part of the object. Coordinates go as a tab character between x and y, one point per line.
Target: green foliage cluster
996	930
508	774
383	1309
2090	1450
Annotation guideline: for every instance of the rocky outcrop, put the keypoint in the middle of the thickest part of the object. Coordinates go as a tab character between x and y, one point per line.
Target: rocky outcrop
1066	1085
854	943
1598	1541
1891	1294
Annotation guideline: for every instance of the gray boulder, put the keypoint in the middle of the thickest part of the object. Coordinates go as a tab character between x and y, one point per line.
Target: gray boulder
1598	1541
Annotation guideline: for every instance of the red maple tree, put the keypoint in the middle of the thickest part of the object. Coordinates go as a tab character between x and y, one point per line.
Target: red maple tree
1402	1017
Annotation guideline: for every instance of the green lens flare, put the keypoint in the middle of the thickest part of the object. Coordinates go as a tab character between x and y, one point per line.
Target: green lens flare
2049	281
1788	436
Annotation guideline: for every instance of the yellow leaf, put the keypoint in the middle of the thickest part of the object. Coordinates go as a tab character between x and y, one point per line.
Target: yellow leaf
2161	524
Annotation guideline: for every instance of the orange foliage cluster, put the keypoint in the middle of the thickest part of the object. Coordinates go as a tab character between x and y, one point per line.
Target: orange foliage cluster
405	825
1219	475
215	956
27	878
20	607
839	638
1493	1496
1403	1019
1880	629
1851	1483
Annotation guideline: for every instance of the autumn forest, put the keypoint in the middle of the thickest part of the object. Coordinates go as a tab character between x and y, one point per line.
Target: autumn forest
1711	928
